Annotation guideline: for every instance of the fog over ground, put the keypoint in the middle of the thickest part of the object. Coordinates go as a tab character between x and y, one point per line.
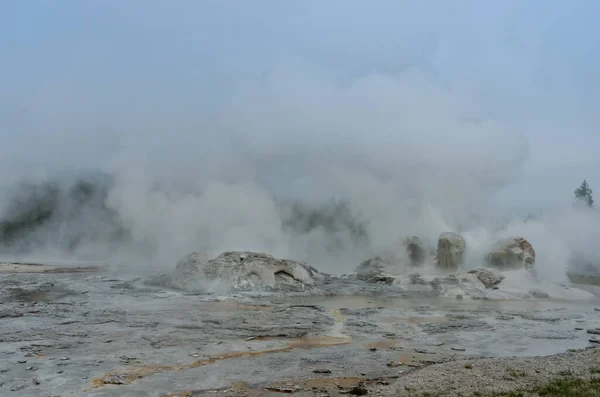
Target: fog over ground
319	131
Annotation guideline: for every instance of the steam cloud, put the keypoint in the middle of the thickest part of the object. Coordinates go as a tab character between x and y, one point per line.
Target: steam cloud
300	162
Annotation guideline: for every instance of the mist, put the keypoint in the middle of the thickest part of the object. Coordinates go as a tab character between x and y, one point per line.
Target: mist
317	132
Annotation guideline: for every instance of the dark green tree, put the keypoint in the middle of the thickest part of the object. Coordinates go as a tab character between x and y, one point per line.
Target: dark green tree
584	194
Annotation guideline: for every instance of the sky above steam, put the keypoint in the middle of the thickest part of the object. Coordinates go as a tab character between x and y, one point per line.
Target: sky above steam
505	90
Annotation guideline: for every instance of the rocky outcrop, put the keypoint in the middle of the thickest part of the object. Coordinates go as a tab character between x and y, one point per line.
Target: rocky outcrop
374	270
415	250
450	250
489	277
237	270
511	253
477	284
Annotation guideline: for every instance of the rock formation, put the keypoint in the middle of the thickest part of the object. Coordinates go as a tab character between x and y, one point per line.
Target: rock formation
451	247
240	271
415	250
511	253
489	277
488	284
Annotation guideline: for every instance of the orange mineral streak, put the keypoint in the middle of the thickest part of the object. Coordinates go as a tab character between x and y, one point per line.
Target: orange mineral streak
142	372
408	358
234	306
382	344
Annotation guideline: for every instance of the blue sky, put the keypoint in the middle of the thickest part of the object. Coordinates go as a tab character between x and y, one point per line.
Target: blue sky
82	79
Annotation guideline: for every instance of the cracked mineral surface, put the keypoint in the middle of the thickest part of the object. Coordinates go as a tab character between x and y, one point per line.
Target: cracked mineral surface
82	331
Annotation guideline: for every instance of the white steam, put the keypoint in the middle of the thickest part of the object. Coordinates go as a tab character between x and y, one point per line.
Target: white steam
211	160
411	156
398	148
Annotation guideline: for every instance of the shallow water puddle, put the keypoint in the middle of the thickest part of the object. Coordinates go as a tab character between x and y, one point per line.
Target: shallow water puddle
337	302
359	302
187	393
42	296
37	268
417	320
414	312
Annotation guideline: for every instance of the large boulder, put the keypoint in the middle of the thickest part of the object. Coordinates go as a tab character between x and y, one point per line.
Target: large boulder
450	250
239	270
415	250
511	253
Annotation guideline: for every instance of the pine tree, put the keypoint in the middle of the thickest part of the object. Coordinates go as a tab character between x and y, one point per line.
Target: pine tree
584	194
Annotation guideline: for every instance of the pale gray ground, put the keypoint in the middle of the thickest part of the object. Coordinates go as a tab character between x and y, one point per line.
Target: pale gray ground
95	334
493	375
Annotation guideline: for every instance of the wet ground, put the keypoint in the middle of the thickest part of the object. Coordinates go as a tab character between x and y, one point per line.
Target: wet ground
83	332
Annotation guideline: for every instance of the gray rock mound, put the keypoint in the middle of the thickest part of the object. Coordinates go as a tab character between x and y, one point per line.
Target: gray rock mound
489	277
511	253
374	270
242	271
450	250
